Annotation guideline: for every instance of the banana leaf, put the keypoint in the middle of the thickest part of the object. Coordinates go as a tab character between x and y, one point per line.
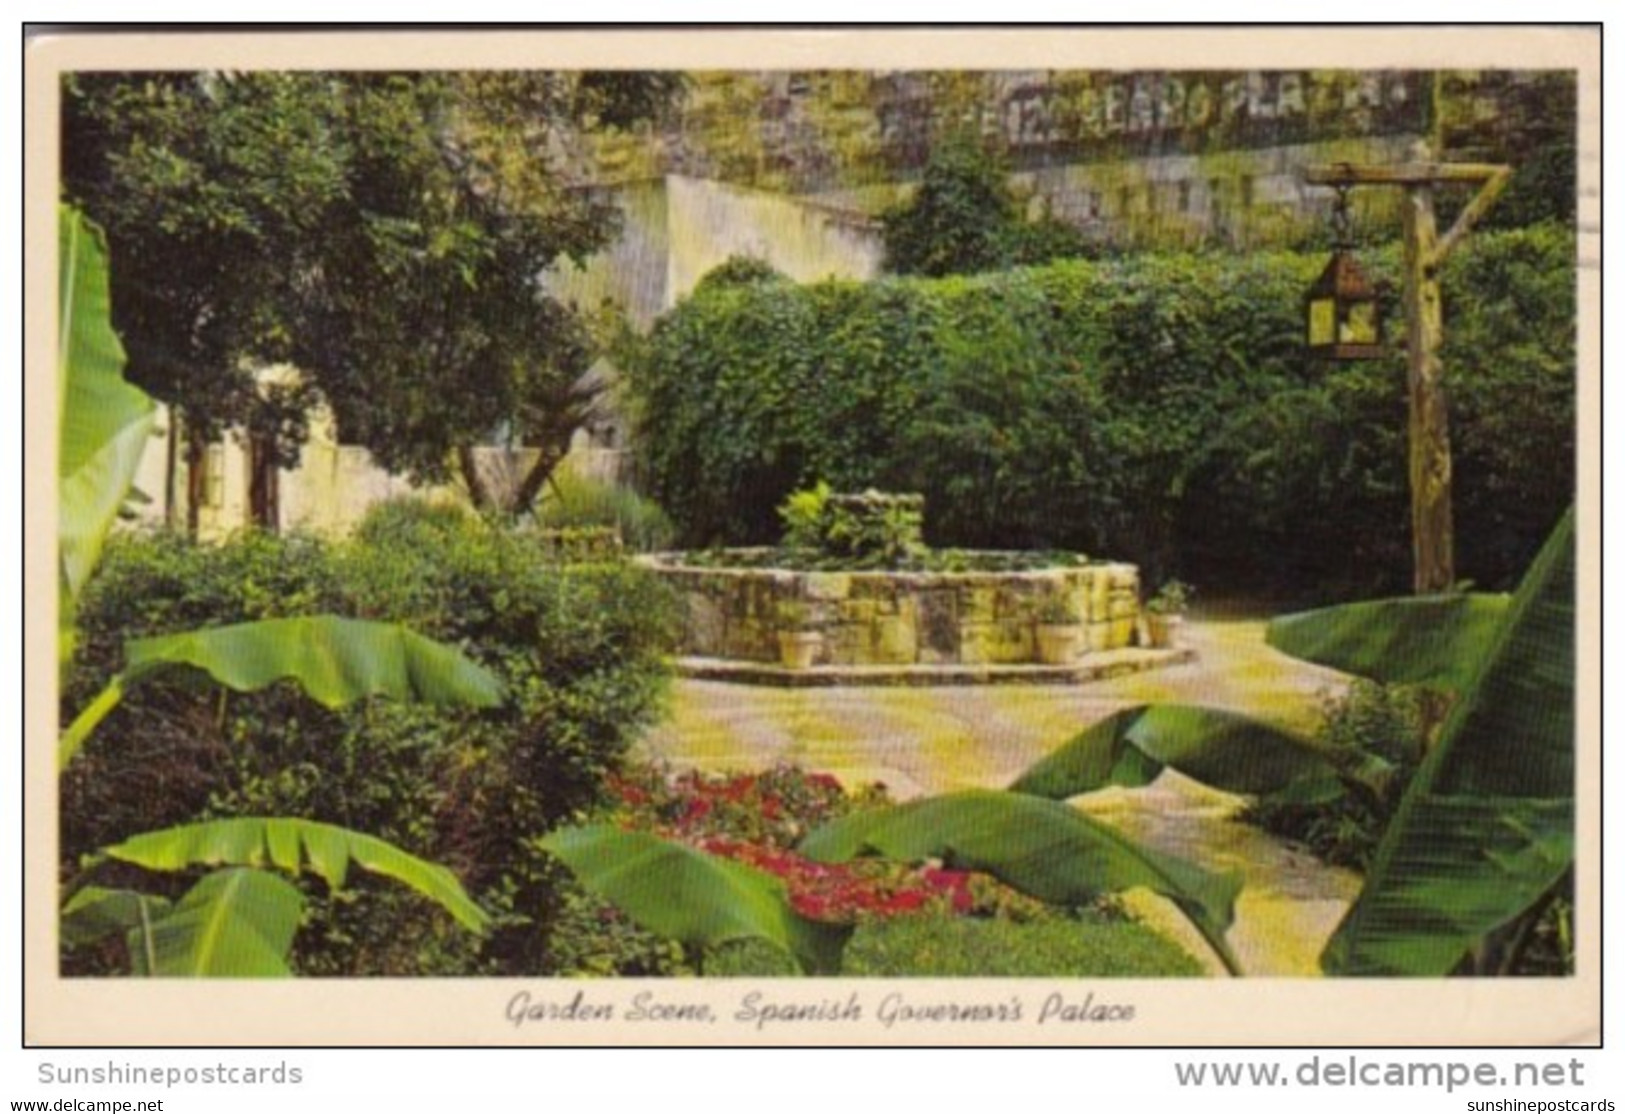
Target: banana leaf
1046	849
104	421
336	661
1487	824
292	845
1223	749
233	924
699	900
1418	640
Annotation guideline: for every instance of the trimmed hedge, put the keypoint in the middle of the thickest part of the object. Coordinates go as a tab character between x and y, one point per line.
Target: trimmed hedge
580	649
1158	409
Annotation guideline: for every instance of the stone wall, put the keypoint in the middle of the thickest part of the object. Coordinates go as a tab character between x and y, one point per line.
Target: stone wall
896	618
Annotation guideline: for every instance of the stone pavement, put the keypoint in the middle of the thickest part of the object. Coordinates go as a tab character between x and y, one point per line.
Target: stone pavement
921	741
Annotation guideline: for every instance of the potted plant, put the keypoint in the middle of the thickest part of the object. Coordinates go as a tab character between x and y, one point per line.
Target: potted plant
1165	613
1060	629
798	643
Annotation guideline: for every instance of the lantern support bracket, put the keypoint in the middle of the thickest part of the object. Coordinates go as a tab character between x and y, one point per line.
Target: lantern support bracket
1432	533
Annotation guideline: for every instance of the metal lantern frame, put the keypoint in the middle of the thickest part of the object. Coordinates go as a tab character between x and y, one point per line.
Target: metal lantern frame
1343	309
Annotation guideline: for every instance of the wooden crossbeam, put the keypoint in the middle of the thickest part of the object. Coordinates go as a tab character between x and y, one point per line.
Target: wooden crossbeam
1402	174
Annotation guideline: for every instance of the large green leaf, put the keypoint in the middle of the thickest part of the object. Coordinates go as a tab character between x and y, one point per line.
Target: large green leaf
697	899
233	924
95	912
292	845
1043	848
1487	824
1419	640
336	661
104	420
1223	749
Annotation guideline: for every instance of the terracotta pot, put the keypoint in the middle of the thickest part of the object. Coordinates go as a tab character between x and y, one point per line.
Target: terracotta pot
1060	645
1162	630
797	648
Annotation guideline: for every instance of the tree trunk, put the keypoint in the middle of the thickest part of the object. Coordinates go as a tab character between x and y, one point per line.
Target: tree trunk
197	477
479	492
508	498
264	508
531	486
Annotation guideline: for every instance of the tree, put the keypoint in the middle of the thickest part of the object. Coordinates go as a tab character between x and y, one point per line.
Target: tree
387	233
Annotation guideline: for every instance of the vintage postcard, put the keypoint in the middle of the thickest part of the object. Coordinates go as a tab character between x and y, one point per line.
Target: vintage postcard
714	537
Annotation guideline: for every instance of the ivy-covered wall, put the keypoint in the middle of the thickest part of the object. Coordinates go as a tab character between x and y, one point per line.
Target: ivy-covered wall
1166	158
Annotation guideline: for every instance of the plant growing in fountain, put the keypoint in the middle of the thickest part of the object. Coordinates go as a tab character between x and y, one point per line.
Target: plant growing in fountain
870	529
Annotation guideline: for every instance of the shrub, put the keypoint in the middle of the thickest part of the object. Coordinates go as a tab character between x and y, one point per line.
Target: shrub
573	501
1383	720
579	648
965	217
868	530
1158	409
1088	943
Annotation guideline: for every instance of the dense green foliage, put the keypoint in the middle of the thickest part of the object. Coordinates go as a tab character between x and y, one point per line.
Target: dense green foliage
576	646
1158	409
1080	944
1384	720
964	218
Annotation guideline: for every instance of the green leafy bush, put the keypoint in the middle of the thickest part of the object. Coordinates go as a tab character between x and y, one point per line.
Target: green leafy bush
578	647
965	217
872	529
1159	409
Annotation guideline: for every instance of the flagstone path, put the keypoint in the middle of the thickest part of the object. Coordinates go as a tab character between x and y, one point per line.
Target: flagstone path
921	741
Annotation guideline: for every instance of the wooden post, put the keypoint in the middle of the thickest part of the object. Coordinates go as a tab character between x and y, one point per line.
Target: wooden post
1432	534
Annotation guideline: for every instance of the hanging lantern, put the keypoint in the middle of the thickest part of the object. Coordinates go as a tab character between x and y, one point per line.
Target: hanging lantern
1343	309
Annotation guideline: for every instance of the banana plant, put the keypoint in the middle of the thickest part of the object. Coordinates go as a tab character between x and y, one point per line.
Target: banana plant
1045	849
1484	835
700	900
336	661
237	921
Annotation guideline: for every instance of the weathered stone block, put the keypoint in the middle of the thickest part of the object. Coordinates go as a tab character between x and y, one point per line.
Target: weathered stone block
857	611
939	626
896	641
978	603
705	629
828	585
1100	590
847	644
1122	632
